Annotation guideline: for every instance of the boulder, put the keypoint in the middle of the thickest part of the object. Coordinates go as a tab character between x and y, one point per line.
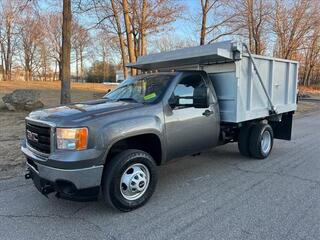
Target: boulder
22	100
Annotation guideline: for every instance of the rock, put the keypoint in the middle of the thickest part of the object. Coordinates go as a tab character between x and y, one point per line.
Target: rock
22	99
2	105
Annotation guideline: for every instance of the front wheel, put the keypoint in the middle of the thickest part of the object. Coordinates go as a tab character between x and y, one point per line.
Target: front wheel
129	180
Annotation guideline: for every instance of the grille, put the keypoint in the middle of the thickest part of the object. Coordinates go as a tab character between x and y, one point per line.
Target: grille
38	137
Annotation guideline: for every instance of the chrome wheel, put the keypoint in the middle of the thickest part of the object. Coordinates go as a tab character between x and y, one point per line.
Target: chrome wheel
266	142
134	181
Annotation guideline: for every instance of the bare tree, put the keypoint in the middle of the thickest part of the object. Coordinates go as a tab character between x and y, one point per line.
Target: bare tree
52	40
66	50
30	35
9	13
251	20
257	14
170	42
311	55
206	5
217	20
150	17
80	41
139	19
123	30
291	24
44	61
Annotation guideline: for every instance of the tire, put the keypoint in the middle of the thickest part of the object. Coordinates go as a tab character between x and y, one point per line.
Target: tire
261	141
243	140
129	180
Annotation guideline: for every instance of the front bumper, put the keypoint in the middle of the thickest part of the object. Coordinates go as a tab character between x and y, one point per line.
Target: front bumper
65	174
80	178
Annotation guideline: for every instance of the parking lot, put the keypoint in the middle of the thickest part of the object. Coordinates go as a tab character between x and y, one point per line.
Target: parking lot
217	195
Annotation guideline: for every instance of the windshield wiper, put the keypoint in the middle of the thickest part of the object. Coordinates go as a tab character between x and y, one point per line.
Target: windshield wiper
127	99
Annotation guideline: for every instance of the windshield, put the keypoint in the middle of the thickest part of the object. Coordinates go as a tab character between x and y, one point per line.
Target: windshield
143	88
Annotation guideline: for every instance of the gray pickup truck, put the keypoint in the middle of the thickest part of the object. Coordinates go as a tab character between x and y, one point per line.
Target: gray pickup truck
114	144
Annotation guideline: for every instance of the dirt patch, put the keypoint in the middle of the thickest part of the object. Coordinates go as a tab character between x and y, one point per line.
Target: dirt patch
11	134
311	92
12	128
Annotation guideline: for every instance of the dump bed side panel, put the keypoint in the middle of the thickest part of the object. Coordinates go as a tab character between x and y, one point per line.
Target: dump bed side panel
280	80
240	94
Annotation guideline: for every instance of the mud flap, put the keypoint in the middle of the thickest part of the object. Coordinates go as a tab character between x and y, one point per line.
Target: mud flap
283	129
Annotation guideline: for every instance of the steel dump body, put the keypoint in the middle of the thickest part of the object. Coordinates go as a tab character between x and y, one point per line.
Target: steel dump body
240	94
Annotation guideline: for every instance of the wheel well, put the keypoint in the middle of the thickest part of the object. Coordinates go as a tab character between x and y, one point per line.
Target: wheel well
149	143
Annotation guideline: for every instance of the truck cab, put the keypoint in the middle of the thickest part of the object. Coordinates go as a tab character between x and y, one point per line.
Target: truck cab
165	115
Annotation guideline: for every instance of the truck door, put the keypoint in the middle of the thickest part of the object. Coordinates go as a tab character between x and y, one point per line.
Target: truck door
189	129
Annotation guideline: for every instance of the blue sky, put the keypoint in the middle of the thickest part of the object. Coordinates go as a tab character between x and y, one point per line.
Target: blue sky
181	25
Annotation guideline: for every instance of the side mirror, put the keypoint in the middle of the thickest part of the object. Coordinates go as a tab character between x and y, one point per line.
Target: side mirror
173	101
200	97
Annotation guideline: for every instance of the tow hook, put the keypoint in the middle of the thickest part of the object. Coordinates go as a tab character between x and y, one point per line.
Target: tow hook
28	175
47	189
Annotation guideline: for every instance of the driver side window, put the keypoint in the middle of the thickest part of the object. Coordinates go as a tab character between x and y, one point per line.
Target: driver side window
185	88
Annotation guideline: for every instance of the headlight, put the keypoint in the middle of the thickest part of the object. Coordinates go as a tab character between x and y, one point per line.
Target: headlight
72	138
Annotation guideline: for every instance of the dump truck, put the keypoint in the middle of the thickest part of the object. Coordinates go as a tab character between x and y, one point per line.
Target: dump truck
181	103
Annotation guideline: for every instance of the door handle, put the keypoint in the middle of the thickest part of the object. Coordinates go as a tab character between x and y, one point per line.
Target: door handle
207	113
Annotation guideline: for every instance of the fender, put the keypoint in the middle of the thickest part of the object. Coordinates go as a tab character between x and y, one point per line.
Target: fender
117	131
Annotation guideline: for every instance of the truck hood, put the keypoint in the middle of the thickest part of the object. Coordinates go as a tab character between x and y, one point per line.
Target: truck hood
82	111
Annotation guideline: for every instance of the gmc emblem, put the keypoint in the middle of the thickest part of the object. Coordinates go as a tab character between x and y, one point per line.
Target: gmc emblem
32	136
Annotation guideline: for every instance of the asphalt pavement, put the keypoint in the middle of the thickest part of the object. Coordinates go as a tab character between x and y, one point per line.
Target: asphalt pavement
217	195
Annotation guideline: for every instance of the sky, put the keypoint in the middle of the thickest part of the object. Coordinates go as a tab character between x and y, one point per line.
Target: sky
183	29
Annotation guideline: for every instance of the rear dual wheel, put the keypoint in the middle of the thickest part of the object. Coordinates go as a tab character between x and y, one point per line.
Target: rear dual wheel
256	140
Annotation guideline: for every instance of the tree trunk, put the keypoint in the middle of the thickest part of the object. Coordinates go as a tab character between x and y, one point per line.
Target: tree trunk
132	57
45	72
135	32
30	75
143	28
60	70
26	67
121	41
55	71
8	53
2	70
66	49
104	64
77	65
205	7
81	65
250	24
